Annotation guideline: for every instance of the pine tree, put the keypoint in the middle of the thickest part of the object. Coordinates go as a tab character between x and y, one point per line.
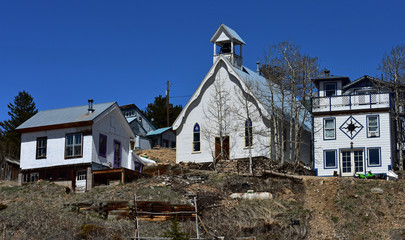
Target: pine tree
175	233
20	111
157	112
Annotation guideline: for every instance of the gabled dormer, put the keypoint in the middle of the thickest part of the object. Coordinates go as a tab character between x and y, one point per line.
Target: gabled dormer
227	41
330	85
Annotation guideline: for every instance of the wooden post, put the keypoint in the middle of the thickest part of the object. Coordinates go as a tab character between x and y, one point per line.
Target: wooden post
196	218
4	231
167	106
89	179
136	219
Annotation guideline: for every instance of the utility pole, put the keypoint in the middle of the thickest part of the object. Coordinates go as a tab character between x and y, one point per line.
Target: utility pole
167	104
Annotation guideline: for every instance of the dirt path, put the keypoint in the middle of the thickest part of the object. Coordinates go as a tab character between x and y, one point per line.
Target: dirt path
319	198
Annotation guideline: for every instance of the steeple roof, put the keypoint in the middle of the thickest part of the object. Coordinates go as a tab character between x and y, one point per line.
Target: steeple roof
226	34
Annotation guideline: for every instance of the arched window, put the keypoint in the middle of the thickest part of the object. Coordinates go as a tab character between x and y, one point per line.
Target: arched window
196	138
248	133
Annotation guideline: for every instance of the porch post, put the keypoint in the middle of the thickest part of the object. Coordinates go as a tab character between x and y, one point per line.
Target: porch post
89	179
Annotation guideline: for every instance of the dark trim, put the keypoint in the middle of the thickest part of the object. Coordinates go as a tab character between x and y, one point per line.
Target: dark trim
99	144
120	154
79	165
350	150
313	144
199	138
56	126
351	138
324	159
378	125
324	89
368	157
366	110
323	122
46	148
75	156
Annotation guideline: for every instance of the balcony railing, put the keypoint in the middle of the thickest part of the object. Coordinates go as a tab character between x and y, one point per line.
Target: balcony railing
233	58
351	102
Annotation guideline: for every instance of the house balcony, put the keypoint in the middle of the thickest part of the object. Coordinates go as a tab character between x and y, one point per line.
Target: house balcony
350	102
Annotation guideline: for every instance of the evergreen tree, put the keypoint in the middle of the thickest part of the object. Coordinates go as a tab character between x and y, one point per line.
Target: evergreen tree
158	112
20	111
175	233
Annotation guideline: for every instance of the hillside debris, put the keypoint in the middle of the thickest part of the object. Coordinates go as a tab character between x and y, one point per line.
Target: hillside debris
252	195
144	210
159	155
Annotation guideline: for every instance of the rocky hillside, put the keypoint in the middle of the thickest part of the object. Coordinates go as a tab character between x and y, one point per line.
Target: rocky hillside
301	208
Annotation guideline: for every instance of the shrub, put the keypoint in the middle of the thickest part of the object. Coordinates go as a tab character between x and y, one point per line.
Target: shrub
2	206
174	233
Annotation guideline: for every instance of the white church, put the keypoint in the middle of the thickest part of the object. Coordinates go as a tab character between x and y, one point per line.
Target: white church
226	111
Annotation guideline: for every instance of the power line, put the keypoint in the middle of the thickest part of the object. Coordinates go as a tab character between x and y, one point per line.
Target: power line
181	96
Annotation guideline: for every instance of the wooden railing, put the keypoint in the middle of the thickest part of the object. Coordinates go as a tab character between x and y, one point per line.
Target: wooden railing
350	102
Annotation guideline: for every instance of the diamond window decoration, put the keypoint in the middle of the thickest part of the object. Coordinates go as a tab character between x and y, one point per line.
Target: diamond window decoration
351	127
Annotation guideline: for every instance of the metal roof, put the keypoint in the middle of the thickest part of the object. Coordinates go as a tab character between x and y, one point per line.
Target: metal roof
158	131
230	31
65	115
365	77
260	83
246	76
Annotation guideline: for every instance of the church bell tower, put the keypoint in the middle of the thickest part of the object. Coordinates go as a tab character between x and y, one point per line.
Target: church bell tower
225	42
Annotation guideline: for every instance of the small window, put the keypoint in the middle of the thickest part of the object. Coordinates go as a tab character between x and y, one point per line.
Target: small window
373	126
248	133
330	89
374	157
26	178
102	150
329	128
41	147
330	158
34	177
74	146
81	175
196	138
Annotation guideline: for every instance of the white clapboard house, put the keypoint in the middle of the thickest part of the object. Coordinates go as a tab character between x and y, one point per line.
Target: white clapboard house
227	88
147	135
65	145
351	127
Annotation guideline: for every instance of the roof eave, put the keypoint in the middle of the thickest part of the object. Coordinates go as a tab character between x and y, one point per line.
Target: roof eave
55	126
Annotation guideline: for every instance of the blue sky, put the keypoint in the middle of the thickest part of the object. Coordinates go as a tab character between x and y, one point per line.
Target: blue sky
65	52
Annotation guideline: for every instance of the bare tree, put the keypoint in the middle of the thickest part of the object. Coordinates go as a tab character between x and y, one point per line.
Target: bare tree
288	74
248	114
393	68
218	118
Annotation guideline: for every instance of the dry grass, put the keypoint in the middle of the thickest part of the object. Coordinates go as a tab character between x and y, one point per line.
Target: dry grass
342	208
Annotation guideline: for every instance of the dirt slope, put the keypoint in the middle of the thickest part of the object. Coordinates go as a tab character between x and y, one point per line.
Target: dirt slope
311	208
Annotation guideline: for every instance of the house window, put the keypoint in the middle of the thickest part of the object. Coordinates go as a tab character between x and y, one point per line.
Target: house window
373	126
81	175
26	178
34	177
41	147
196	138
74	145
248	133
374	157
330	89
102	145
330	158
329	128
